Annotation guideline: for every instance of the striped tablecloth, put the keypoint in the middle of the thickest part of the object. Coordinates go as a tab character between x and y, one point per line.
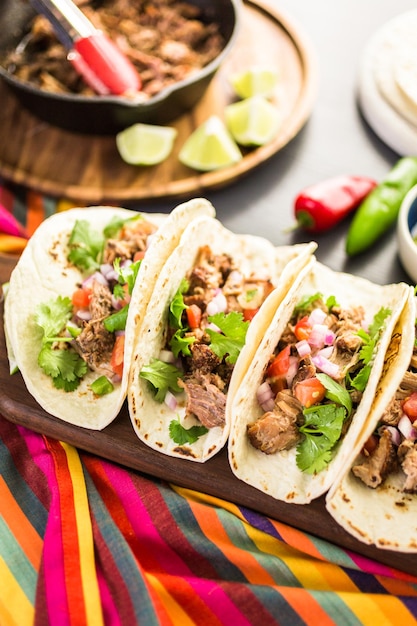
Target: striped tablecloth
84	541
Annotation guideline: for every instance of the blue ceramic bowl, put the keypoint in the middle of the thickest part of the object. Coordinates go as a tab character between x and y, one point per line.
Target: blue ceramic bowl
406	231
110	114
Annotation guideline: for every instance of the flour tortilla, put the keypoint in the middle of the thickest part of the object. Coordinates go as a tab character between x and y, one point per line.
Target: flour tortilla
43	272
151	419
386	84
385	516
277	474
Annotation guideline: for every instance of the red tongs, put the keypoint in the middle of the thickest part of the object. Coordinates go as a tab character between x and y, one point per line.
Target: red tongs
95	57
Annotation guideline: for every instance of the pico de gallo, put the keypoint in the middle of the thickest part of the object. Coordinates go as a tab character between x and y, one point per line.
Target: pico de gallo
315	379
86	332
207	326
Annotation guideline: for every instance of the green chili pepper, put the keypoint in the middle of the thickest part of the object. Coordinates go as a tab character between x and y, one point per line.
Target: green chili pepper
379	211
101	386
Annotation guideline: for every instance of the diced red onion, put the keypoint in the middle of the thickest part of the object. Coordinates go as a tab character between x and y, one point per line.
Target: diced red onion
406	428
171	401
119	333
265	396
217	305
317	337
330	337
213	327
126	263
117	303
167	356
108	271
326	352
326	366
98	276
317	316
303	347
292	369
395	434
84	314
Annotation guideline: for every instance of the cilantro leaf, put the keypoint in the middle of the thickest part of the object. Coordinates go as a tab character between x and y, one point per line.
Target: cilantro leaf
86	246
182	435
232	337
322	430
52	316
127	275
116	224
335	392
307	302
181	344
367	352
65	367
177	305
162	377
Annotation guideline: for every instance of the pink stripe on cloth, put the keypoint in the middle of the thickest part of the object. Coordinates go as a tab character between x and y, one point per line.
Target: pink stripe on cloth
52	555
208	590
379	569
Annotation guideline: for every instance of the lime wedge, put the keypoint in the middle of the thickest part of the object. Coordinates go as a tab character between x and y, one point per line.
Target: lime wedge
210	147
255	81
145	144
252	122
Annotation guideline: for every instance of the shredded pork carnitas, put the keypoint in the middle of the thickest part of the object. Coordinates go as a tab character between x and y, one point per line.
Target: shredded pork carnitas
278	428
392	448
166	40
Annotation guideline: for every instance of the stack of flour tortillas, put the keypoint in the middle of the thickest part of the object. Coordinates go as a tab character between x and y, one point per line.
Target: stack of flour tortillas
388	83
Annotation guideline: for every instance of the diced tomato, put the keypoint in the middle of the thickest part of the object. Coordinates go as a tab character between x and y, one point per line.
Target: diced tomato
280	364
193	316
81	298
309	391
370	445
410	406
139	255
249	314
302	328
116	361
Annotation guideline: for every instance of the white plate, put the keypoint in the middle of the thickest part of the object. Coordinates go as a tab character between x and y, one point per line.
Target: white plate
382	103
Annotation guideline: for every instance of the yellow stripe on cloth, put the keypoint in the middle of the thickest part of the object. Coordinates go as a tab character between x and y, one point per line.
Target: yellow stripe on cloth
174	610
85	539
19	609
371	609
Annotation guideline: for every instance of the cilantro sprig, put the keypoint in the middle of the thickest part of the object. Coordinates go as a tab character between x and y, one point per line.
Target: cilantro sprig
230	341
65	367
182	435
367	352
162	377
322	430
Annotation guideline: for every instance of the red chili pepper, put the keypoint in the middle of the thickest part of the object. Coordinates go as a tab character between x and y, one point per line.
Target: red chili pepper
323	205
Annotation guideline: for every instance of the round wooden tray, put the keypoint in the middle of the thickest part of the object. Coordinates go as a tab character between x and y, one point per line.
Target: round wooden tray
88	168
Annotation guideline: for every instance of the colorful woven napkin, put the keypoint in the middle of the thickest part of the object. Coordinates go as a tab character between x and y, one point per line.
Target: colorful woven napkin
85	541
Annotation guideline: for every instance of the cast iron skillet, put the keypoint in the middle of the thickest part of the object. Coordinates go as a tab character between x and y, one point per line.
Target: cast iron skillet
109	114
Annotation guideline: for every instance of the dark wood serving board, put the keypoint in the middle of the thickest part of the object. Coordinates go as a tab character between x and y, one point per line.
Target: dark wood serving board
88	168
118	443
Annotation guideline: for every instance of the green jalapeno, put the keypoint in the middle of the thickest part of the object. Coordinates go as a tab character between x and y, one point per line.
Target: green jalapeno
379	211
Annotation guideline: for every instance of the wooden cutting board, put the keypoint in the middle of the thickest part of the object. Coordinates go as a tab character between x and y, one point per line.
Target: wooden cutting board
88	168
118	443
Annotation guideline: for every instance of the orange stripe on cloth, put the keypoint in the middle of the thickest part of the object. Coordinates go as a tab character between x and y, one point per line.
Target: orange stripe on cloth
77	538
35	212
168	593
23	531
215	531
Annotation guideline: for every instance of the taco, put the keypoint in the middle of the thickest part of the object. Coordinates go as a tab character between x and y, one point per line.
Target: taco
203	311
76	298
375	498
307	392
